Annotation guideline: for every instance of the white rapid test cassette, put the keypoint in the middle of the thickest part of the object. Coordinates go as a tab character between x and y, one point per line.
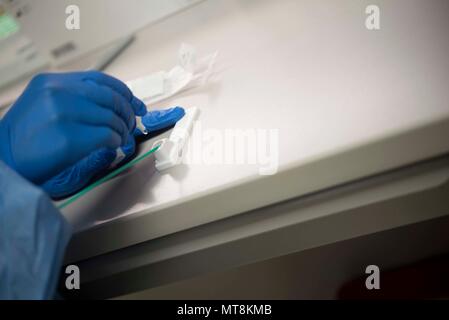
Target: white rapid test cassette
171	150
190	72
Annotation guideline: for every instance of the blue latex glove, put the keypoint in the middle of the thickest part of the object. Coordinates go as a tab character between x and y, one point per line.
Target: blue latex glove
101	161
61	119
33	239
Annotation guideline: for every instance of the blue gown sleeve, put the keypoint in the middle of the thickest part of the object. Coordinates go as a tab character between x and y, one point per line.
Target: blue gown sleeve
33	239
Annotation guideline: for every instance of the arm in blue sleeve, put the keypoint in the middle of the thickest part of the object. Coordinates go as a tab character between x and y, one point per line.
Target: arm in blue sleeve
33	238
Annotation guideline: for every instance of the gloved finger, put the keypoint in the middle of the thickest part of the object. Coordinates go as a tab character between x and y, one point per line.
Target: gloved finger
75	147
125	152
110	99
130	147
140	108
99	137
100	78
120	87
104	79
161	119
94	115
78	176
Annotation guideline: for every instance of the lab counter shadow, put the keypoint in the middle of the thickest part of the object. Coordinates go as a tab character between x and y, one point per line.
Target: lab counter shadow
424	280
414	260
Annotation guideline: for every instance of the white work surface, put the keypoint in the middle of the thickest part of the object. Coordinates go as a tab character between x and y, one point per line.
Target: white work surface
307	68
348	103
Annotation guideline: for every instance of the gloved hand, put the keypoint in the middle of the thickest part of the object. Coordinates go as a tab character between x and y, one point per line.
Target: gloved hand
97	163
61	119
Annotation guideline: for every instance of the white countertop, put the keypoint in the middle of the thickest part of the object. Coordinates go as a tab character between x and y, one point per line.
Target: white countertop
309	69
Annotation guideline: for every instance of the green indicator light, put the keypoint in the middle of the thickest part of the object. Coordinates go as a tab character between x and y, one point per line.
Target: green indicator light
8	26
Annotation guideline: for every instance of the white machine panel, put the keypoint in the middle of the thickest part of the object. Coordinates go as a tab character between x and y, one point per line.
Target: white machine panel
118	20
